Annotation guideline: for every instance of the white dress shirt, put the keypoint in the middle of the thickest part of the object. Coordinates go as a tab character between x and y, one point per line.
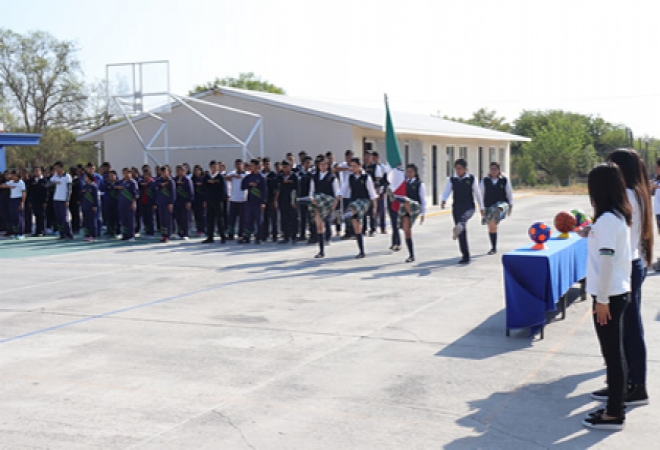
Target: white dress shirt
508	190
475	189
346	187
335	184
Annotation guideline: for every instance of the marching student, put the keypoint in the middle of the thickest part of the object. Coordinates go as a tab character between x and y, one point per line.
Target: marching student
465	189
413	205
183	202
165	197
147	201
199	200
257	196
37	197
215	190
287	186
127	203
89	196
304	182
61	197
269	224
112	226
17	196
237	198
608	282
359	189
634	172
380	173
370	218
343	171
323	192
498	201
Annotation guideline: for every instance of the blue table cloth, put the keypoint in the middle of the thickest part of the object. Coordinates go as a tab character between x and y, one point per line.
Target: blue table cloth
535	280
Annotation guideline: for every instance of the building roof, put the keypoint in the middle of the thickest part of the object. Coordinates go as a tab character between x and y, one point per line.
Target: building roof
370	118
19	139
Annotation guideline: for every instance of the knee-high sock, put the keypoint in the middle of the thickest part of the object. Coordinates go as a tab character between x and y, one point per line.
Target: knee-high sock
321	237
493	240
360	242
409	244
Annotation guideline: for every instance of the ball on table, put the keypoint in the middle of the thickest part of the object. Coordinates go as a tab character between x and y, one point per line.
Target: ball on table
565	222
539	232
580	217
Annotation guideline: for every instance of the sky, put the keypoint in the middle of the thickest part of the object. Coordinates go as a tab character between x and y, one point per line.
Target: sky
439	56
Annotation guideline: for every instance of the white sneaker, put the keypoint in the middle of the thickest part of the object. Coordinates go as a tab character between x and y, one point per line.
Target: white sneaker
185	238
20	237
456	231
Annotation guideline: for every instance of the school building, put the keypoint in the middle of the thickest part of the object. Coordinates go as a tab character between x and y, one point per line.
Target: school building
272	125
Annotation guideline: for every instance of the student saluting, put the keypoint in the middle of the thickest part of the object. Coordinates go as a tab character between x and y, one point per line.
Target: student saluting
165	197
255	185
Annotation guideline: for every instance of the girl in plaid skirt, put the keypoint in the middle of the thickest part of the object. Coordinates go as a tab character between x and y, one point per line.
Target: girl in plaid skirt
323	192
411	206
359	188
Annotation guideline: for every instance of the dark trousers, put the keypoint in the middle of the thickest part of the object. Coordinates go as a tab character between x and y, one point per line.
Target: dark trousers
381	213
610	337
199	212
147	216
461	216
51	220
137	214
27	219
269	224
182	216
16	218
127	218
369	220
89	222
236	211
74	209
252	220
62	219
112	224
633	331
39	212
215	219
289	219
394	223
166	221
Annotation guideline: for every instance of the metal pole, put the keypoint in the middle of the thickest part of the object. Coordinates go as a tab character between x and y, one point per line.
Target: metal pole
261	137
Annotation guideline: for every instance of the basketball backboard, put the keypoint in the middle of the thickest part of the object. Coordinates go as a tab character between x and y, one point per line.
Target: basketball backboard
137	87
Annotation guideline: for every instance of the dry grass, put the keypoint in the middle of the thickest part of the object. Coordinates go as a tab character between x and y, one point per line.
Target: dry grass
549	189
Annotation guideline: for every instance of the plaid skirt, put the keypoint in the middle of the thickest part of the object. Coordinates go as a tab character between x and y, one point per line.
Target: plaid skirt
361	206
415	211
496	212
323	205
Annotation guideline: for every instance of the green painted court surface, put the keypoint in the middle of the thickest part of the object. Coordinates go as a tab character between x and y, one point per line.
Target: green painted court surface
188	346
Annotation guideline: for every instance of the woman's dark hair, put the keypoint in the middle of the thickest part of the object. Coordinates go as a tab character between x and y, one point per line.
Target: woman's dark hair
89	177
496	164
413	167
607	192
634	175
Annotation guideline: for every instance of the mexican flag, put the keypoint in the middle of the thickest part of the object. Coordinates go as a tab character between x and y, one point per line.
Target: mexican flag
396	177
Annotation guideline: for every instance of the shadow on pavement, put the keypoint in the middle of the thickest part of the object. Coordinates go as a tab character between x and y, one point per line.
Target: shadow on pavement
535	416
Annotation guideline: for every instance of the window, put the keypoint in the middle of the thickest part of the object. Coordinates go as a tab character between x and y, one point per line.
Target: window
462	152
450	160
492	154
502	160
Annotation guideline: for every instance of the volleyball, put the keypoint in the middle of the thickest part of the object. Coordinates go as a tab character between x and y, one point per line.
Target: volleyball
565	222
539	232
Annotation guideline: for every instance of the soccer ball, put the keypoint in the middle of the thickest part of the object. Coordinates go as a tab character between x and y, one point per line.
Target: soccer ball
539	233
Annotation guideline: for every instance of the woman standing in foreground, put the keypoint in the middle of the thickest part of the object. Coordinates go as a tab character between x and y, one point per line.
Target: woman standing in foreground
608	281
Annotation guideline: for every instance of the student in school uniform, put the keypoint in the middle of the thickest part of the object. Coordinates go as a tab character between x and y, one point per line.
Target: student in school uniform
323	192
61	198
51	220
113	225
165	197
215	189
37	198
98	180
655	189
199	200
182	205
135	174
269	224
89	196
257	196
498	201
465	188
237	197
128	194
77	182
360	192
147	201
634	173
5	224
287	187
27	209
17	196
608	282
304	181
343	171
412	206
380	172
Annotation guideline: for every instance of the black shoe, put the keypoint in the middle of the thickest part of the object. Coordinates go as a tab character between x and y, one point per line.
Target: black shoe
599	412
302	239
372	233
208	241
360	256
410	259
637	395
601	395
244	241
320	255
492	251
346	237
284	241
230	238
597	422
464	261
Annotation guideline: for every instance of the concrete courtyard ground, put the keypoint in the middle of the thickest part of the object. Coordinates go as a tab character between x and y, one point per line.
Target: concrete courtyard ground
186	346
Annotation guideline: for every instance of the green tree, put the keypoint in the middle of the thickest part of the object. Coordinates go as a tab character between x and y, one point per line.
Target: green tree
41	80
246	80
525	169
484	118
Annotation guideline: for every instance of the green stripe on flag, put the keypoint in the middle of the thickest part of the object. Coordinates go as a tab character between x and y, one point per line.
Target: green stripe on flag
393	153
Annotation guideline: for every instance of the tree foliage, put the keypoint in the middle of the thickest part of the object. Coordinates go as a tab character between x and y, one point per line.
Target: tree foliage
57	144
484	118
246	80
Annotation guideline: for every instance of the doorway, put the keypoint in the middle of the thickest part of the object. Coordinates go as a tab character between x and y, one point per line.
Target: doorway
434	173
